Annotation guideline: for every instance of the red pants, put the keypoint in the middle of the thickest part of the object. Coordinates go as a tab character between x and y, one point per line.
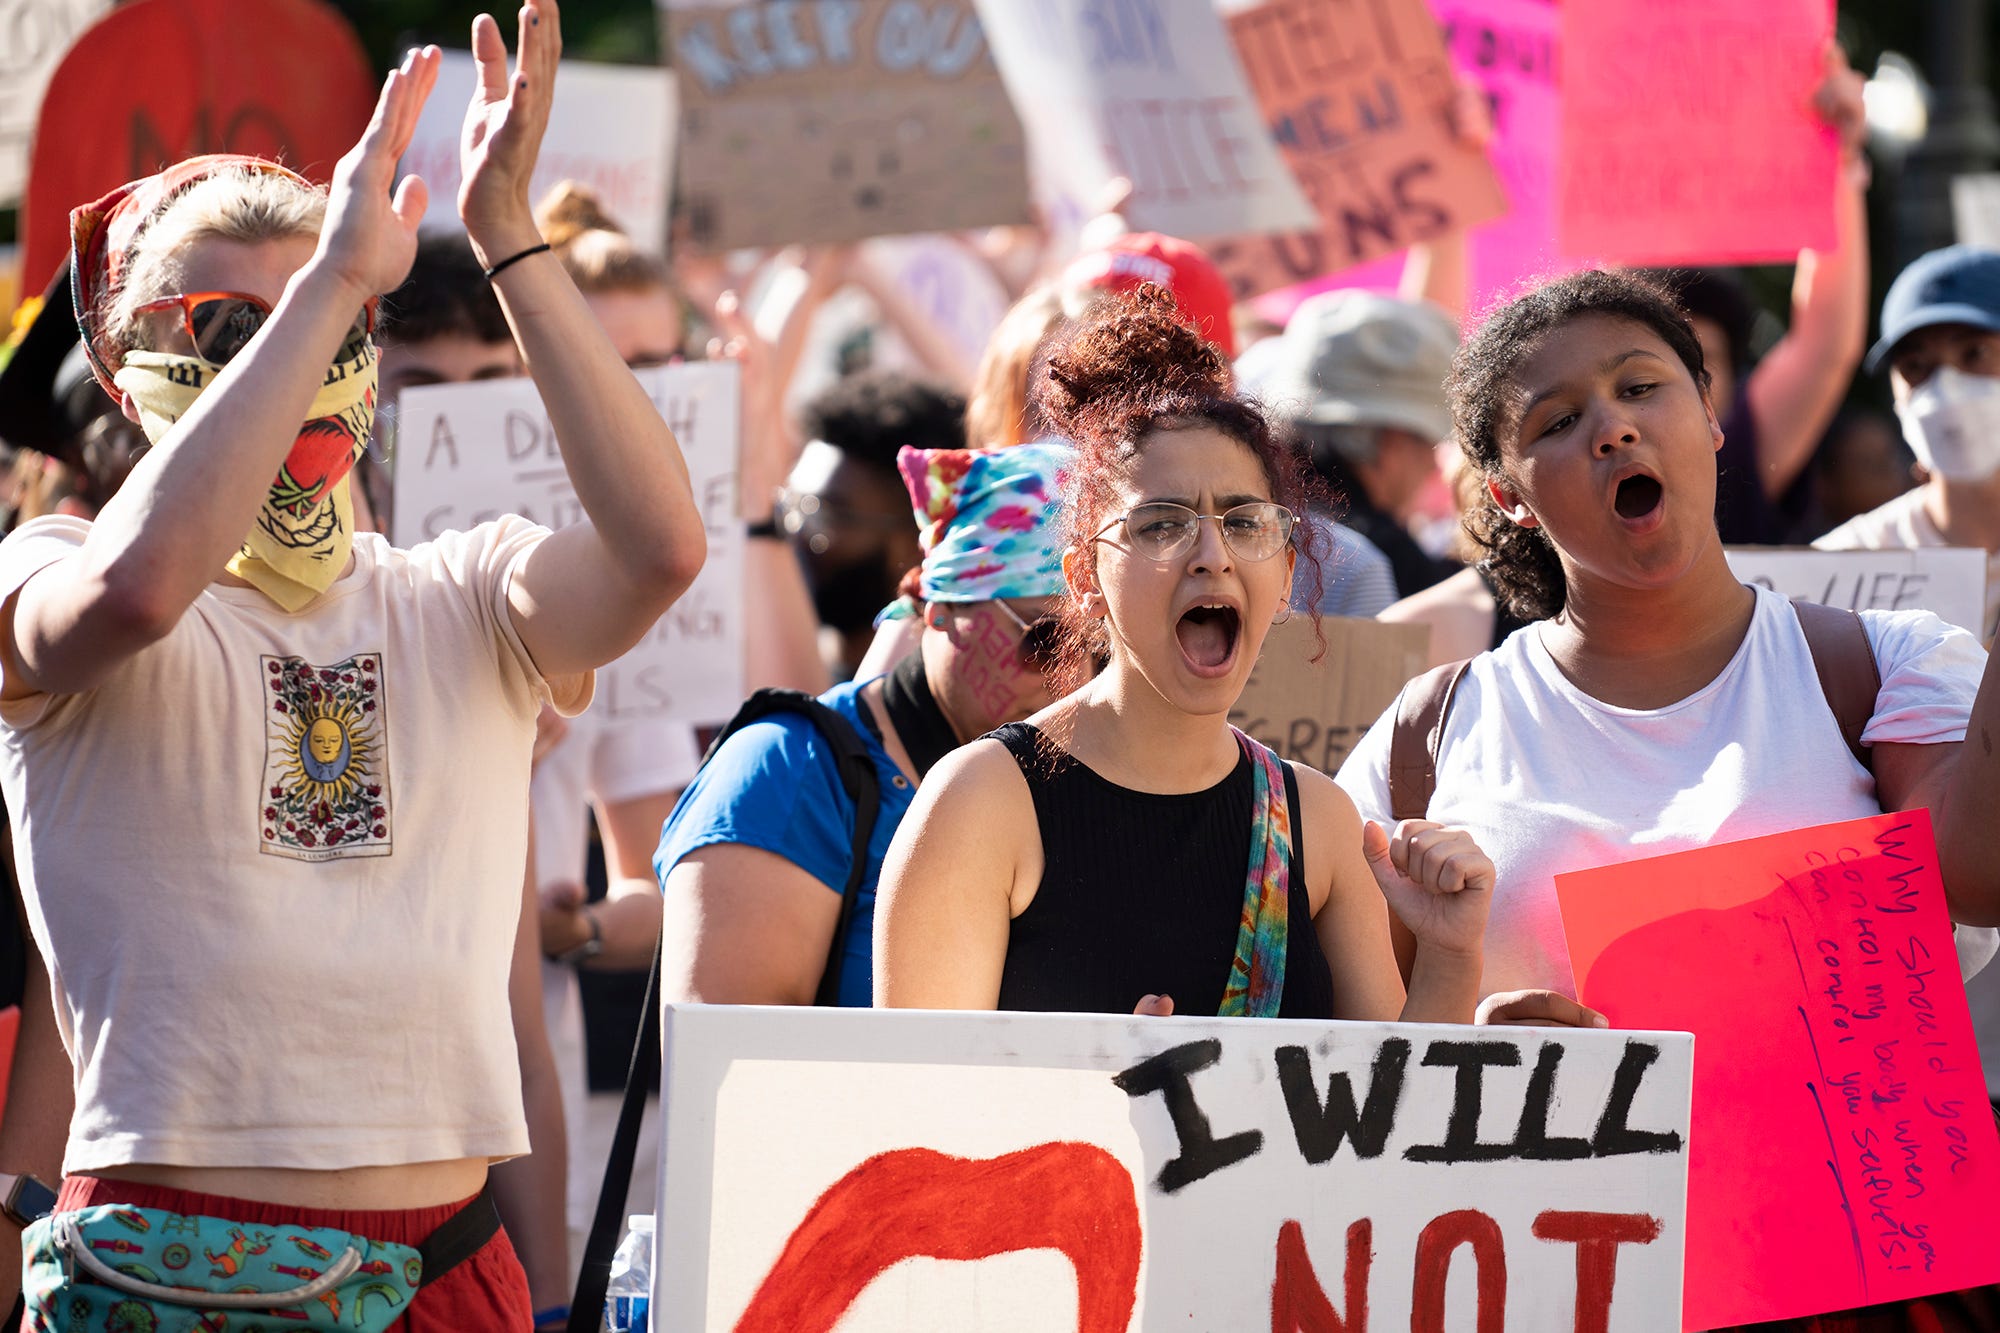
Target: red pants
489	1291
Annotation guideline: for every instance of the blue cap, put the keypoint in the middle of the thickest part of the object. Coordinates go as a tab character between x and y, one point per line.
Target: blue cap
1956	285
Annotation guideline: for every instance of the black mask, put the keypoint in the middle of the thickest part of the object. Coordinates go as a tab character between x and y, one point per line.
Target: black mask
849	597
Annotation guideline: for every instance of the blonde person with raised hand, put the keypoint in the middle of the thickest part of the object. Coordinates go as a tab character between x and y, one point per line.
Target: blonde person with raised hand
268	789
1094	858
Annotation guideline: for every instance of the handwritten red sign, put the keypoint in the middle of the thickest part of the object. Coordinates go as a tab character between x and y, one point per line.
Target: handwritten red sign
1688	132
1842	1151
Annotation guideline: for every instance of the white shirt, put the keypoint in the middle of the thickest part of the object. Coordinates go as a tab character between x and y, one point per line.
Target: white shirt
274	861
1903	524
1548	779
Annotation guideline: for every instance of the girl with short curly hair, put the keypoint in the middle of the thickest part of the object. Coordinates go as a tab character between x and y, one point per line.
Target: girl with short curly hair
1095	856
1657	703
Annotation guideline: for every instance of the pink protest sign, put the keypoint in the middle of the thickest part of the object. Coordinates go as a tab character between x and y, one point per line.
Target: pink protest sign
1689	134
1509	48
1842	1152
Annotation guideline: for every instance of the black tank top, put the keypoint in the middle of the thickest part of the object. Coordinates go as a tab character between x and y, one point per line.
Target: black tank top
1141	894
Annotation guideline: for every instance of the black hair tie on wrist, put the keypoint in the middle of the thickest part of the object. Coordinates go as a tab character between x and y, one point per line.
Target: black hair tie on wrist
501	267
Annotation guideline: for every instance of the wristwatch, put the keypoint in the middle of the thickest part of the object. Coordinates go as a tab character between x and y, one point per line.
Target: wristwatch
588	948
26	1199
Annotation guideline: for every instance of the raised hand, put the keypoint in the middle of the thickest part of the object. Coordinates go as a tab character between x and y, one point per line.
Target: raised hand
1437	881
369	239
503	130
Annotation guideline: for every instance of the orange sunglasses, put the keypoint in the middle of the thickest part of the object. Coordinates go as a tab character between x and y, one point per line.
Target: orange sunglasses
221	324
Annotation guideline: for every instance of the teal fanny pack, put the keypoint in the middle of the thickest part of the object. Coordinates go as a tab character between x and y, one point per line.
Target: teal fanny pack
148	1270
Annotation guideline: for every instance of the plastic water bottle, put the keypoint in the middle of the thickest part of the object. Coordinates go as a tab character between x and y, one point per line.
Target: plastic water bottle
630	1290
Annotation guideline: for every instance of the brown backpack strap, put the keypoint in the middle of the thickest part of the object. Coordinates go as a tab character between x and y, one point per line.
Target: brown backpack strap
1421	710
1848	674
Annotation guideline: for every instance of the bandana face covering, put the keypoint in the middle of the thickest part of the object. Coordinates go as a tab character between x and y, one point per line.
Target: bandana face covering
305	530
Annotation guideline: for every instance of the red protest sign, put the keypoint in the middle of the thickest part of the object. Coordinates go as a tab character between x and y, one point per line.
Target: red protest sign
160	80
1842	1151
1688	132
1357	94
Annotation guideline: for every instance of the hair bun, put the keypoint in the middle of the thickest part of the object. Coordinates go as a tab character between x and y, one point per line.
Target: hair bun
1129	349
570	209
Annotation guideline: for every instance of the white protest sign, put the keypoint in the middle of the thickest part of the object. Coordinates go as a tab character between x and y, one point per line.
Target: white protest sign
1975	209
1149	90
611	129
1947	580
466	453
825	1168
33	36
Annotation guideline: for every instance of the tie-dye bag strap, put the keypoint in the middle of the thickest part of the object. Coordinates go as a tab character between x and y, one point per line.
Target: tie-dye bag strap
1257	976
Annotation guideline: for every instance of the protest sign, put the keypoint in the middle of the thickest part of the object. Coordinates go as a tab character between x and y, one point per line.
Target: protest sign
160	80
1508	48
1975	209
1947	580
837	122
1312	712
1844	1151
1688	131
1358	97
611	129
33	36
1112	1173
1149	90
466	453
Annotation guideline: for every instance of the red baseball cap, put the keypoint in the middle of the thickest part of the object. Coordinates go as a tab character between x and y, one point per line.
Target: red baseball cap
1181	267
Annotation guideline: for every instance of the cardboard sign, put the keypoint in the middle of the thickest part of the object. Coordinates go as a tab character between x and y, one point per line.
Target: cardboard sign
161	80
1947	580
1688	131
840	121
33	36
1110	1173
1313	712
1358	95
611	129
1510	48
1844	1151
1149	90
466	453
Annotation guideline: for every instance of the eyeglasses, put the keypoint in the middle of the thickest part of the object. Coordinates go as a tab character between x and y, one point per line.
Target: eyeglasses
1164	530
221	324
1041	638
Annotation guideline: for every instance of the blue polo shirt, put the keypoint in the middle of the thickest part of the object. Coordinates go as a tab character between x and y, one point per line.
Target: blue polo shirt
775	785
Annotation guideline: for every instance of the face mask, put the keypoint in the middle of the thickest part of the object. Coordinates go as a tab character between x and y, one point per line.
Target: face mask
1952	421
848	597
305	531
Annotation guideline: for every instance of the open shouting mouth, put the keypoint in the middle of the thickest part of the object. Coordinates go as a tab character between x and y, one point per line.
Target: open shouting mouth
1640	501
1208	634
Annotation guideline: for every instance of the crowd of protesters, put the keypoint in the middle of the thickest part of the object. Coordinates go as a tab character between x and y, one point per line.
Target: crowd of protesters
301	821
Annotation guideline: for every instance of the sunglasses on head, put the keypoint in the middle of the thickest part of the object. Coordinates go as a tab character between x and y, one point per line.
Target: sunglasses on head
1041	638
221	324
1163	530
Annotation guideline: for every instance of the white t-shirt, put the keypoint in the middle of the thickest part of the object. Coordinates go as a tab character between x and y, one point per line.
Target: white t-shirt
1903	524
600	761
274	861
1548	779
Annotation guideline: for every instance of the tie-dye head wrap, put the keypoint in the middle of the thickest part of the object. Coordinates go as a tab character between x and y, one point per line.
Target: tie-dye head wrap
987	519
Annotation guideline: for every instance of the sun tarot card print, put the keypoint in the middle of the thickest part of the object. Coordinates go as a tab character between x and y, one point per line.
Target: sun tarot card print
326	760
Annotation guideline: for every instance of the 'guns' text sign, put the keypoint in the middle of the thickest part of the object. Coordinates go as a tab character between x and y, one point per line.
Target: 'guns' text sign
466	453
877	1170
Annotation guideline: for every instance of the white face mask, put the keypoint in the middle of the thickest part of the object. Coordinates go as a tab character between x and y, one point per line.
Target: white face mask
1952	421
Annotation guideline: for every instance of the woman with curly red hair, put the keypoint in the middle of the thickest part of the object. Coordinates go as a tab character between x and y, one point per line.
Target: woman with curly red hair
1094	856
